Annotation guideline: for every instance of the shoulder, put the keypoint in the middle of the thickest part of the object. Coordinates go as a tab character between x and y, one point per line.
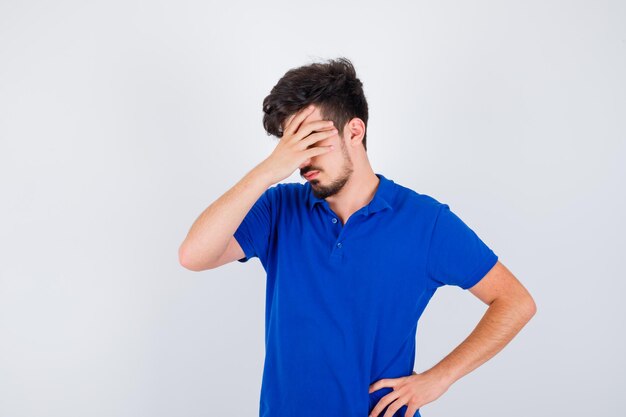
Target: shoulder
286	192
406	198
288	188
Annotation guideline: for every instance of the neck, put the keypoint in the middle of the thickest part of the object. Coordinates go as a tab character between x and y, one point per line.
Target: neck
358	191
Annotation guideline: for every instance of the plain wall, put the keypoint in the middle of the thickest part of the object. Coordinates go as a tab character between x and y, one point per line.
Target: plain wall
120	121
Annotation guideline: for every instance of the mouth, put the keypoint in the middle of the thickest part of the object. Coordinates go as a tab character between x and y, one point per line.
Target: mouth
311	175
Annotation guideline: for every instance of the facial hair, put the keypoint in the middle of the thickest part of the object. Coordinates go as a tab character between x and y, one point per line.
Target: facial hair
323	191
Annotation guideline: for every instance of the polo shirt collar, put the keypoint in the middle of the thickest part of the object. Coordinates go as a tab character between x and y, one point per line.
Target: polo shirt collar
382	198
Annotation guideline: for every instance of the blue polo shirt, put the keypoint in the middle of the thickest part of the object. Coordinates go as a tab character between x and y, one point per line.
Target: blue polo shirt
343	300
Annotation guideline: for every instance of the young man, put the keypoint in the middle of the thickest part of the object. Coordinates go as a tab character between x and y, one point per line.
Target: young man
352	259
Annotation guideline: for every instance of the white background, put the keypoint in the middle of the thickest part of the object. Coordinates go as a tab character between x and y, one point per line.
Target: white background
120	121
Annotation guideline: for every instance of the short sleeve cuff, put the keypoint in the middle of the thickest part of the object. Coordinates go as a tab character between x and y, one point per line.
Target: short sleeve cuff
481	271
245	245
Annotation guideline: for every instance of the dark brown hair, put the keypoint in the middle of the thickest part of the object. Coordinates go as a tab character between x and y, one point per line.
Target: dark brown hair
332	86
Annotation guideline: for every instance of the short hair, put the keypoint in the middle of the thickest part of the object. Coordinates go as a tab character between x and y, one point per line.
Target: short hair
332	86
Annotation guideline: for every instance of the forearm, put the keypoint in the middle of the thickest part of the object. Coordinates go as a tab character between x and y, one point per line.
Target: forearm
212	230
500	323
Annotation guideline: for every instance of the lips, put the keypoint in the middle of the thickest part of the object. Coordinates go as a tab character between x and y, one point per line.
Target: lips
311	174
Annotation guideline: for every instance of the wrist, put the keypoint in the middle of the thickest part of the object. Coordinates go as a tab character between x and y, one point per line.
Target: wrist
442	374
261	175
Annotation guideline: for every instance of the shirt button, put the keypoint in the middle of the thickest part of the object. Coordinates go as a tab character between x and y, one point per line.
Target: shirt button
338	244
334	220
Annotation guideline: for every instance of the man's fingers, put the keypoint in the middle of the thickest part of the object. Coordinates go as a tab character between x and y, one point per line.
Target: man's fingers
318	150
383	403
296	120
381	383
286	122
410	410
312	128
317	136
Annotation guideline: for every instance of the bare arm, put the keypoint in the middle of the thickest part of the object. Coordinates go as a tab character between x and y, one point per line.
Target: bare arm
212	231
210	242
510	308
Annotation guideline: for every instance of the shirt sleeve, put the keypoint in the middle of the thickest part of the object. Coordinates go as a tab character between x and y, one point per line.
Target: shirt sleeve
253	234
456	255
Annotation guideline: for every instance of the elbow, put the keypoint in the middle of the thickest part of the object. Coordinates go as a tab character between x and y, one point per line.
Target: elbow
524	307
184	261
528	307
532	307
187	262
188	266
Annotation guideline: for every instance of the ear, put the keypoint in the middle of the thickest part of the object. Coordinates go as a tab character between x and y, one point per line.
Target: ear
356	128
